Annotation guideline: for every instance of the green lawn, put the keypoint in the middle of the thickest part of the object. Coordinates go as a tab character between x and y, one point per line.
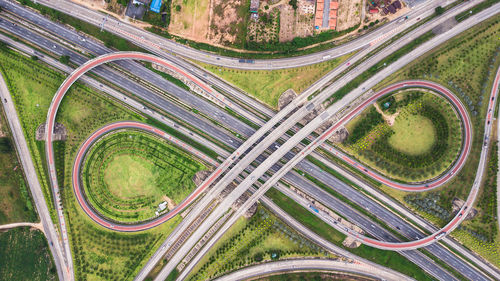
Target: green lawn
268	85
25	255
129	176
15	201
98	253
413	135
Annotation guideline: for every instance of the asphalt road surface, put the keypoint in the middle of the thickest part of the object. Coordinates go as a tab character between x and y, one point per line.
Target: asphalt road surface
152	41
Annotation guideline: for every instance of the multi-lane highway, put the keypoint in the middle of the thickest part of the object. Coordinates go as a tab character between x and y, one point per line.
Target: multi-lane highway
346	100
155	42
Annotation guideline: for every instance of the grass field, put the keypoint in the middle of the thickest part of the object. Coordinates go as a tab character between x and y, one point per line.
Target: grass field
25	255
260	238
414	135
389	259
268	85
97	252
127	174
466	65
15	200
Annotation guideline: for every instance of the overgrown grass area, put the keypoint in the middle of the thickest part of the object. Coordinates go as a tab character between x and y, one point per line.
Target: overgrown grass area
15	200
466	65
98	253
258	239
389	259
417	138
127	174
268	85
25	255
109	39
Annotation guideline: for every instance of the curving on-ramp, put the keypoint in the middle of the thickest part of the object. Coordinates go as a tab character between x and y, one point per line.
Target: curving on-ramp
102	220
311	265
462	112
464	210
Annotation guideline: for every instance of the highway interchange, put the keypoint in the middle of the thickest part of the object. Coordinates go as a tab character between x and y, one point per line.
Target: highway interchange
250	133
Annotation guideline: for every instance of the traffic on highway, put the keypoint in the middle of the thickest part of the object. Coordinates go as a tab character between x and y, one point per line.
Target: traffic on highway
257	148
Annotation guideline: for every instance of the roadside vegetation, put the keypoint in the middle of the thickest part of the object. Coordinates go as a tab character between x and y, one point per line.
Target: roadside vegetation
98	253
466	65
268	85
127	174
25	255
261	238
388	259
408	136
15	199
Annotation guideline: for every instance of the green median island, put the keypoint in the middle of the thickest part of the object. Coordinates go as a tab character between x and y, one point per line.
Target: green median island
410	136
131	176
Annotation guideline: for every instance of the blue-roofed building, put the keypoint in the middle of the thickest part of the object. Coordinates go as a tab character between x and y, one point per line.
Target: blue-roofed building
155	6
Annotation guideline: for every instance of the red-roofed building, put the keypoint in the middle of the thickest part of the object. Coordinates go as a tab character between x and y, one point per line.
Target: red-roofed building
332	23
334	5
333	14
373	10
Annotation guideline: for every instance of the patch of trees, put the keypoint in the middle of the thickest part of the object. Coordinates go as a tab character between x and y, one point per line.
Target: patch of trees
488	202
64	59
364	126
297	42
439	10
5	145
428	204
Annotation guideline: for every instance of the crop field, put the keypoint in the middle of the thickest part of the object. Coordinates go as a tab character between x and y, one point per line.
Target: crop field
15	200
466	65
268	85
260	238
98	253
25	255
412	141
127	174
388	259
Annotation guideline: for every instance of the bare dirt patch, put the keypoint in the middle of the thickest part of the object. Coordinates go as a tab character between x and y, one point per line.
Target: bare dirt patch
348	14
389	118
170	203
2	133
192	21
228	21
